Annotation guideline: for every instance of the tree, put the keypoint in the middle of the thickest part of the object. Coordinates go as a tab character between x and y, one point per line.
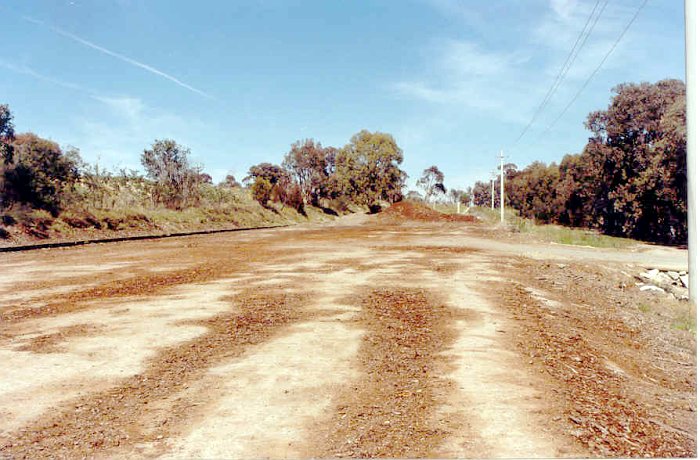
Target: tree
460	196
532	191
578	191
629	180
205	178
367	169
432	182
271	182
481	193
230	182
38	173
289	193
308	162
413	195
638	154
167	163
7	134
271	173
261	190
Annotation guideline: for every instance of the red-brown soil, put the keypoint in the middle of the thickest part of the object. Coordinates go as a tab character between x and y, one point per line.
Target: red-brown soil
191	347
406	210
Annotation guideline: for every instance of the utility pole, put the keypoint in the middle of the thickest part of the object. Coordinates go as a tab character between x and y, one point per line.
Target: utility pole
502	191
691	75
492	197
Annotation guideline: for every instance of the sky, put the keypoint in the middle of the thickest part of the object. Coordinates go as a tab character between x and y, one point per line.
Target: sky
238	82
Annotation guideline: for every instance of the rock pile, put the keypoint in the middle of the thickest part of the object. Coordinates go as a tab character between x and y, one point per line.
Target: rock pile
673	282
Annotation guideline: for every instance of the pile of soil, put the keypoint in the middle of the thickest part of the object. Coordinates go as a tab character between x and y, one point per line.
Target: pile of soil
405	210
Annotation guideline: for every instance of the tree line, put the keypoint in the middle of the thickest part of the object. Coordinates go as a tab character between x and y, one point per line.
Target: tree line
629	180
39	174
365	171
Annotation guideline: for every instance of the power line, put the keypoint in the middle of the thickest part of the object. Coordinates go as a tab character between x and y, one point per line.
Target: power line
566	65
595	71
585	39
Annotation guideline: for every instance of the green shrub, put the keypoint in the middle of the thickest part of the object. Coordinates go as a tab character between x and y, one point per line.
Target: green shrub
39	174
261	190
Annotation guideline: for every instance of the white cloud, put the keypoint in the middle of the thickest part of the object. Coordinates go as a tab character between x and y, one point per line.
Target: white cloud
510	82
125	126
26	70
466	59
563	8
463	74
130	108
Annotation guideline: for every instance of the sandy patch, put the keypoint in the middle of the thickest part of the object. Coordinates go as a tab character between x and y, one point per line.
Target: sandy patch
272	386
494	391
131	331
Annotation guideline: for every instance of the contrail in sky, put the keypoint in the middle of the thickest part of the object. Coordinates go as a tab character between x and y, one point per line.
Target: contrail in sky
121	57
32	73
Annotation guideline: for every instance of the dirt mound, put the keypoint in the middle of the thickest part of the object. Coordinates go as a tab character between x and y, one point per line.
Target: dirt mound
416	211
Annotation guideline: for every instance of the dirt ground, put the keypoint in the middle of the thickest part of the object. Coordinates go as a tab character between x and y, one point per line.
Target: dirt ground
372	336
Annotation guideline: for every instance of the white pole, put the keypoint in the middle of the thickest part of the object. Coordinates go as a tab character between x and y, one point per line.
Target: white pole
691	75
492	197
502	191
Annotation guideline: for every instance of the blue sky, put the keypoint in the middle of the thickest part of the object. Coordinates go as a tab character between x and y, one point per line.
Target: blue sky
239	81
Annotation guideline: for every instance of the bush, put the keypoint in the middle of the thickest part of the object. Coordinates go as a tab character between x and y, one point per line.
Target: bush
295	199
113	223
36	222
126	220
340	204
176	182
261	190
81	220
38	174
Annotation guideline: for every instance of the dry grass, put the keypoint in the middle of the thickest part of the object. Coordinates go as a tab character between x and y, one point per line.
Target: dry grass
550	233
230	208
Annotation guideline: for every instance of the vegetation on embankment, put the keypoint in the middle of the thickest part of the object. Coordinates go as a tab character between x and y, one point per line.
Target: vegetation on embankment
49	192
25	225
550	233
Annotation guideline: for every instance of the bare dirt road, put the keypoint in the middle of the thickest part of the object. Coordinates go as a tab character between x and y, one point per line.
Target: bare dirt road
368	337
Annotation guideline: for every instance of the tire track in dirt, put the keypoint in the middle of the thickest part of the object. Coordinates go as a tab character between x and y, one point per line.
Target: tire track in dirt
498	394
258	405
138	285
411	343
219	263
119	417
122	336
599	408
389	412
52	343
